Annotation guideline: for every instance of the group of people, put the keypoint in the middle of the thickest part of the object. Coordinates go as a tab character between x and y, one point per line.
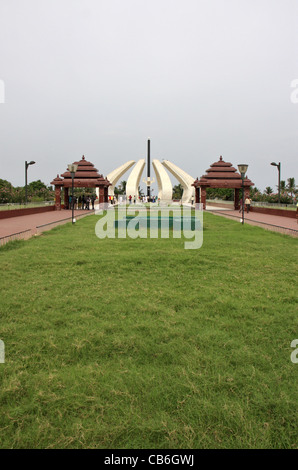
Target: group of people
142	199
112	200
82	202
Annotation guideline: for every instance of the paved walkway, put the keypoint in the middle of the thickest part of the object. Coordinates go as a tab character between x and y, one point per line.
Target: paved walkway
270	222
30	223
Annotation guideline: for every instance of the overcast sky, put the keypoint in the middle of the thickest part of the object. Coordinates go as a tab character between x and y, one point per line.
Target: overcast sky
201	78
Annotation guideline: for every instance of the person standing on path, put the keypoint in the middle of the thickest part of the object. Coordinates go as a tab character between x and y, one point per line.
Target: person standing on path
247	203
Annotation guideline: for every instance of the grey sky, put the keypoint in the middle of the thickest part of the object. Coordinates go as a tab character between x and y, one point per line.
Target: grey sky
201	78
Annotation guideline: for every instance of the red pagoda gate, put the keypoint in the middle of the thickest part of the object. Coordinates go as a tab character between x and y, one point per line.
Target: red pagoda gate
86	176
221	175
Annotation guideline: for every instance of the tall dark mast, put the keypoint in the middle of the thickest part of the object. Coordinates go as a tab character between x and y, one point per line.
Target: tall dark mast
148	181
148	168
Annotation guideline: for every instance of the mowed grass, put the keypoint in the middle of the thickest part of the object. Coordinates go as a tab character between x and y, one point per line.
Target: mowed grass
121	343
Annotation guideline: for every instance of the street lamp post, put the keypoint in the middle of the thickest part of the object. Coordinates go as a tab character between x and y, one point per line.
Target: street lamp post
242	170
278	165
26	170
72	168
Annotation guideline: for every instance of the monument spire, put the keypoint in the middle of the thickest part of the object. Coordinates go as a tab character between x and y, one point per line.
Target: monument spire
148	181
148	169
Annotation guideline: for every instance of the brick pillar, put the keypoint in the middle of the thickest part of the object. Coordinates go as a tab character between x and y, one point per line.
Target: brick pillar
57	198
101	194
203	197
106	194
236	199
66	201
197	195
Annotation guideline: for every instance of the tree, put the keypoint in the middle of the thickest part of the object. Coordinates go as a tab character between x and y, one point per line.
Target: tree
254	190
268	190
226	194
36	186
6	190
19	194
177	191
37	191
291	186
256	194
121	188
5	183
80	191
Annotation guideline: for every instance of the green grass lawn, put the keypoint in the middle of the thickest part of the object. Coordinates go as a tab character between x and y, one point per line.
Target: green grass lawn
122	343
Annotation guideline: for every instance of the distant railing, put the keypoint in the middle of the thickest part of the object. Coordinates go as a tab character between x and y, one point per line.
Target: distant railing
16	205
274	205
219	201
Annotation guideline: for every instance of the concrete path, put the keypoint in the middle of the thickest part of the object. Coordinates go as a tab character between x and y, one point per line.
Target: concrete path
29	223
271	222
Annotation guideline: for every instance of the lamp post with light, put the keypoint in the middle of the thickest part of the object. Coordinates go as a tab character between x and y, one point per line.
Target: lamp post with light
72	168
26	171
278	165
242	170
